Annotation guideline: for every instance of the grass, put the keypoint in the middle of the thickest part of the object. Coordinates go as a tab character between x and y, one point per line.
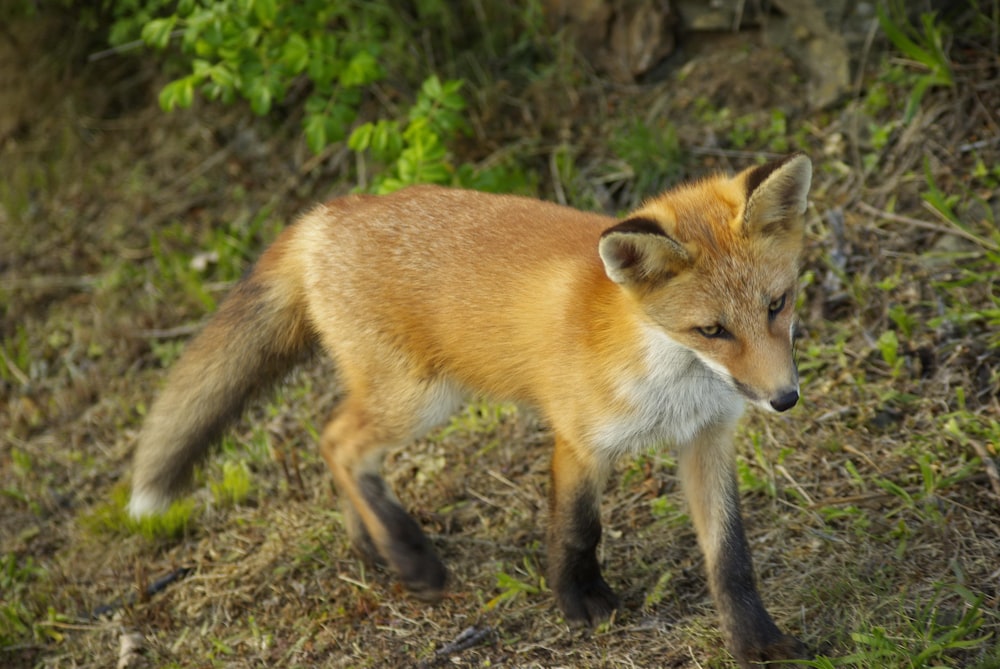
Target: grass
872	508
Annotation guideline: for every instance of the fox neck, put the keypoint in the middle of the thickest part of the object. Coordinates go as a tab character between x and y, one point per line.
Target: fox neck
658	391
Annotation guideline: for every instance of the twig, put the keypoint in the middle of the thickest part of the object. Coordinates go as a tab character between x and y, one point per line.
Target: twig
21	377
466	639
731	153
850	499
927	225
153	588
981	144
127	46
795	484
982	241
353	581
557	185
169	333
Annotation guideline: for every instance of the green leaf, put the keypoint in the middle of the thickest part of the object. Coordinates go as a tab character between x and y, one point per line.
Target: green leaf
179	93
432	87
260	97
315	130
223	76
265	10
322	66
888	345
156	33
387	141
361	138
295	54
362	69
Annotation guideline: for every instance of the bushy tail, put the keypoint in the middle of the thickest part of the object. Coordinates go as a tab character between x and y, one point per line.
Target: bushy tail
259	333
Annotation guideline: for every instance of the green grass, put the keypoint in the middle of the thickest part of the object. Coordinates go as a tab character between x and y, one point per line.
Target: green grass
110	518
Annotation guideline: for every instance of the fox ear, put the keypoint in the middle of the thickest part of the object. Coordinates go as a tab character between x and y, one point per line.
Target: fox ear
777	194
638	250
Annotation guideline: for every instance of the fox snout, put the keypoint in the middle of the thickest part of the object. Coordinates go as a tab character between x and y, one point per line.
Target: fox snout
785	399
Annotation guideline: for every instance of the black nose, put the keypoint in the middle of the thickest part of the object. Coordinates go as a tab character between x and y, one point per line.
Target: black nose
785	401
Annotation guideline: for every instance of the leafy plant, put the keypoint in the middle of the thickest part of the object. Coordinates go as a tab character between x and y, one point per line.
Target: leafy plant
271	52
235	486
17	578
531	582
923	45
415	153
259	49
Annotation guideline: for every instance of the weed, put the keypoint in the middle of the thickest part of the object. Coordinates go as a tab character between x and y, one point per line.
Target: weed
924	46
662	589
652	153
888	346
112	518
665	509
529	581
235	487
16	356
18	577
931	634
759	478
478	417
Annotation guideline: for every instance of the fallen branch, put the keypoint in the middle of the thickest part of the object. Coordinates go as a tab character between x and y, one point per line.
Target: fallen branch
153	588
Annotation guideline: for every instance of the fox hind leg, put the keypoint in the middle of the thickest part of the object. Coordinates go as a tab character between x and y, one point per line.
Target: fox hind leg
352	444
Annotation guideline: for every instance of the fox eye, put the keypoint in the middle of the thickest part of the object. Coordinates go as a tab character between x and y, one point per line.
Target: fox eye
713	332
776	306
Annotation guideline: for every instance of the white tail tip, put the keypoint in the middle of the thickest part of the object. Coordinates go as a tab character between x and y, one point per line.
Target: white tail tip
146	503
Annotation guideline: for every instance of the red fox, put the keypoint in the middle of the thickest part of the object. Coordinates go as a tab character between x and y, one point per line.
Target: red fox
624	334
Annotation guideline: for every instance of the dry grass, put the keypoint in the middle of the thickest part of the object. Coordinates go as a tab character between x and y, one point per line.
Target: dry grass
873	508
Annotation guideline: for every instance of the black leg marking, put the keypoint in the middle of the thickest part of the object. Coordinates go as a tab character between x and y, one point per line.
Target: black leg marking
753	635
581	591
405	545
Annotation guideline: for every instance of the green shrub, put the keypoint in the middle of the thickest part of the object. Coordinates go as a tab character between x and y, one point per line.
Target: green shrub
330	53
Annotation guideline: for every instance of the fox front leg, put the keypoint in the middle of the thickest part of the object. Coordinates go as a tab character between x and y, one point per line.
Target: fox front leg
574	533
707	472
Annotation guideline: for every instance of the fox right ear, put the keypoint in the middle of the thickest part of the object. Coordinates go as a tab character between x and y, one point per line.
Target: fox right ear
637	250
777	194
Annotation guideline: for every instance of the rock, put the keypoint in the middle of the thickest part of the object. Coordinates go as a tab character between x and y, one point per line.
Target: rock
819	52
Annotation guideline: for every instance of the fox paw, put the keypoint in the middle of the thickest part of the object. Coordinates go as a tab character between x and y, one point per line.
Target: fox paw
589	602
782	651
421	571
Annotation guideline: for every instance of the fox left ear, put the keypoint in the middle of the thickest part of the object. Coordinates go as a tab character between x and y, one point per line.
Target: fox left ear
777	194
638	251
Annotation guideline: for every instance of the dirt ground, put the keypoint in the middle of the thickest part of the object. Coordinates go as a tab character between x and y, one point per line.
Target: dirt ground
873	508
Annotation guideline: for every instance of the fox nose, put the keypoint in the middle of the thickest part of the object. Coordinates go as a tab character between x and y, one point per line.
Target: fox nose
785	401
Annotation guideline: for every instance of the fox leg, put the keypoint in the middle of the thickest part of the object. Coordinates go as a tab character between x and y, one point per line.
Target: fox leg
574	533
708	475
352	444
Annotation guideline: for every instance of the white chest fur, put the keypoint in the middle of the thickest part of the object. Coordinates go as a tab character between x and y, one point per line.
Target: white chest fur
672	401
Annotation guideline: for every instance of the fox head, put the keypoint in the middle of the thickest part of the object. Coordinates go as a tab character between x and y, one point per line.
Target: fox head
714	265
